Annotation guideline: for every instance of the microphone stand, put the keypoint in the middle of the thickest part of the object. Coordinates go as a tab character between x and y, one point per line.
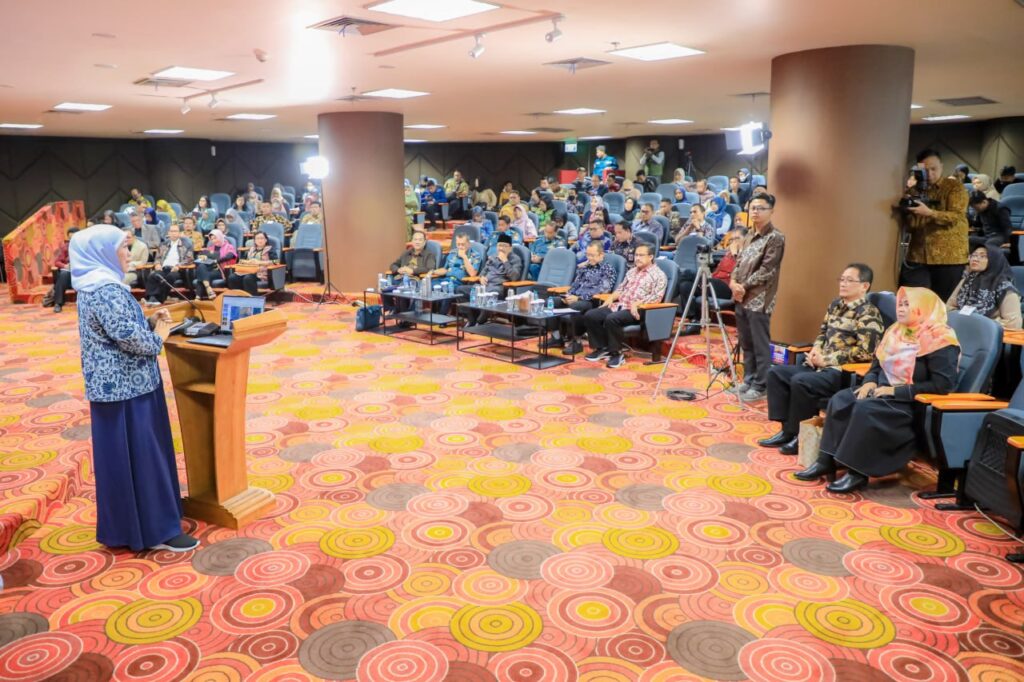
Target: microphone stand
180	294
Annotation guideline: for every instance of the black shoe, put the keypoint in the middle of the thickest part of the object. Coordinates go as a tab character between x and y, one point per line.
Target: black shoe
616	361
572	348
57	307
816	471
849	483
180	543
780	438
597	355
690	330
790	448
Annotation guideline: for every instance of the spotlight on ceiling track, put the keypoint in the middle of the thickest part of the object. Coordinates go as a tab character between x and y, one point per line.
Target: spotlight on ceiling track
213	102
555	33
478	47
185	108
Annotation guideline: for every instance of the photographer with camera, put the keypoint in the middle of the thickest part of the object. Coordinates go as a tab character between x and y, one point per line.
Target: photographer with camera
653	161
935	209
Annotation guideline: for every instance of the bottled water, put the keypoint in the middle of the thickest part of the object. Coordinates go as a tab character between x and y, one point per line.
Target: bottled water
406	283
472	296
551	305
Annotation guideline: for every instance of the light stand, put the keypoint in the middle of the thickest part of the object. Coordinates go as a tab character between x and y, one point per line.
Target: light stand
708	302
317	168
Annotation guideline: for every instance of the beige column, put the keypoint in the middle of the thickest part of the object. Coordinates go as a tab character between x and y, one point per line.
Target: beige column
840	119
362	195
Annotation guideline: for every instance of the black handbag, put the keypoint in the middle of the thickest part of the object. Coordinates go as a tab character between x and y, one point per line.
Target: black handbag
368	317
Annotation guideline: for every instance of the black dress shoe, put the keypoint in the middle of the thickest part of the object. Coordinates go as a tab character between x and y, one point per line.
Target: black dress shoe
849	483
780	438
790	448
817	470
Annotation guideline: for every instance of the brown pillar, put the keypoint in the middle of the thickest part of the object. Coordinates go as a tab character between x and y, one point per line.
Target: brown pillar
363	196
840	119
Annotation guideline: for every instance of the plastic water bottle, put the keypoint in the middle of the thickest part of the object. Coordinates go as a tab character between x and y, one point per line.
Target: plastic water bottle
380	281
472	296
406	283
551	305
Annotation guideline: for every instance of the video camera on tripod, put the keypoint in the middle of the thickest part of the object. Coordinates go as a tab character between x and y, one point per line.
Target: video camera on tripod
704	256
918	193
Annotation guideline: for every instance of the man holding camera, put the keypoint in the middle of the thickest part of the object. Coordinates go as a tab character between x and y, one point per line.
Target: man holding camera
653	161
755	285
937	222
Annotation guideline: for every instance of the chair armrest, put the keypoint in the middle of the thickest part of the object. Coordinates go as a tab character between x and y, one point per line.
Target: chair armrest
603	297
558	290
470	280
276	266
288	248
656	306
931	398
669	247
190	266
520	283
969	405
145	266
800	349
1016	442
858	368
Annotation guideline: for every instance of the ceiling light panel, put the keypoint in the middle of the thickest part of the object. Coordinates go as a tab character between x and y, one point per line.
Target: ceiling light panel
410	140
670	121
311	137
656	52
80	106
435	10
916	106
948	117
425	126
251	117
596	137
163	131
517	132
21	126
580	111
188	73
395	93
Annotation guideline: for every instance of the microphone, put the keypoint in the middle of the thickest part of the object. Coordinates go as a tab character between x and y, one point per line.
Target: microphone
181	295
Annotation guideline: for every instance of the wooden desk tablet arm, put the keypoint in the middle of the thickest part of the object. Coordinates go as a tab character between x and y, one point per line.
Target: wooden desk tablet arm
658	319
560	291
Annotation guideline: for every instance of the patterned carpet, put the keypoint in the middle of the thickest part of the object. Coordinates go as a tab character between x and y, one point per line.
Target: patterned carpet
442	516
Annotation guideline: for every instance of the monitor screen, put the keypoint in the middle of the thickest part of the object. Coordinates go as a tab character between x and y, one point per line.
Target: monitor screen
236	307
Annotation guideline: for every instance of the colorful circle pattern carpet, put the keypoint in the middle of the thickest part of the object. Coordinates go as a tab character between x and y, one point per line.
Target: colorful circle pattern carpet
441	516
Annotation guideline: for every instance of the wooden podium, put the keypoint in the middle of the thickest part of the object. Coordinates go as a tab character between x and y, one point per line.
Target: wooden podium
209	388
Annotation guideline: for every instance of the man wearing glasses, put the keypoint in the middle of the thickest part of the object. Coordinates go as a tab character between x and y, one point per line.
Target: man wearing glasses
849	333
755	284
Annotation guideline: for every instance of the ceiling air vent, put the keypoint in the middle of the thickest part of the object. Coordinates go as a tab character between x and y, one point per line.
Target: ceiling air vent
966	101
577	64
351	26
163	82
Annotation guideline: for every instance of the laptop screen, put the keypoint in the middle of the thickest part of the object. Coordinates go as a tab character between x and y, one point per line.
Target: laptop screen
236	307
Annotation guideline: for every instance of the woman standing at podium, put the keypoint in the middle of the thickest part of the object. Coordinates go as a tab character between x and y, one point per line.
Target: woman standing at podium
138	499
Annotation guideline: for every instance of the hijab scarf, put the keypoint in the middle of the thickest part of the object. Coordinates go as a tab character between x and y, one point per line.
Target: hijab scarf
164	206
985	186
925	331
986	290
716	212
522	220
94	260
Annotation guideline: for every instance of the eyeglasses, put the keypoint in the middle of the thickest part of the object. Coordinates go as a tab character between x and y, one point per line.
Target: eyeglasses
847	280
979	256
760	208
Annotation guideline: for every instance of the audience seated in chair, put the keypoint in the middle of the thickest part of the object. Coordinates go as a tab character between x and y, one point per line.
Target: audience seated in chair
503	266
543	211
210	263
460	263
983	183
644	283
172	254
416	260
521	219
645	222
477	219
240	204
703	192
594	276
849	334
138	199
430	203
698	225
595	233
987	287
549	239
456	192
138	254
260	255
625	243
267	215
412	206
991	220
191	233
314	214
504	227
870	430
719	283
62	272
148	234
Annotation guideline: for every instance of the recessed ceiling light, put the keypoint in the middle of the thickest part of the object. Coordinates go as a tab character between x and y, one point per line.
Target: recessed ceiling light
105	66
917	106
395	93
251	117
670	121
518	132
103	35
79	106
163	131
436	10
656	52
947	117
412	140
596	137
425	126
581	111
187	73
22	126
312	137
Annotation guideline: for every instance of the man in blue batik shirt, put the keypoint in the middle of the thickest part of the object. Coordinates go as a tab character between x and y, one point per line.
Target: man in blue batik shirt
548	239
595	233
430	203
595	276
504	227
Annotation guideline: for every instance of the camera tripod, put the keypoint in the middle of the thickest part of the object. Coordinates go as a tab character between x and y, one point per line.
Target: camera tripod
708	302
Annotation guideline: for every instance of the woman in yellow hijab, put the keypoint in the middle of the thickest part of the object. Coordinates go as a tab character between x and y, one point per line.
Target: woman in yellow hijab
870	431
164	206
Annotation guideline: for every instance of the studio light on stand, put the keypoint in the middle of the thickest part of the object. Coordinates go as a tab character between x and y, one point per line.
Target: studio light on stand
753	138
317	168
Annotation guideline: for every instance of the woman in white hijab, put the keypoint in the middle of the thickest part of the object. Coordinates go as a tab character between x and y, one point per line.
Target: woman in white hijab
138	500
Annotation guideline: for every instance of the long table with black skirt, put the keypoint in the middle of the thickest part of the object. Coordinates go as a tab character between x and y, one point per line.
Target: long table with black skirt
412	320
522	324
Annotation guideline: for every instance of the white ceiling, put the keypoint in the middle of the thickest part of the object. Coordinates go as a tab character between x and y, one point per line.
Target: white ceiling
49	55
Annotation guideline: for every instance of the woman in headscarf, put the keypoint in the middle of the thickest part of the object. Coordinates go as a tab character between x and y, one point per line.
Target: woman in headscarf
679	179
718	217
596	206
138	500
961	172
150	215
983	183
219	254
110	218
870	431
521	219
987	287
629	209
163	205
